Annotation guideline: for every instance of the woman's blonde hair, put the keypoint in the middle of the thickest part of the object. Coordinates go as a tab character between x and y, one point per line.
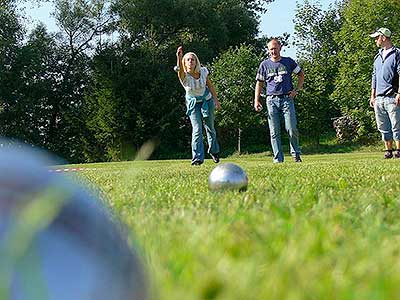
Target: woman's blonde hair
198	65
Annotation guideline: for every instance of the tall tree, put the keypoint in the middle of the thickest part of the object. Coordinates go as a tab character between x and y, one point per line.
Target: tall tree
136	71
208	25
45	78
355	57
29	116
233	74
317	53
11	36
81	24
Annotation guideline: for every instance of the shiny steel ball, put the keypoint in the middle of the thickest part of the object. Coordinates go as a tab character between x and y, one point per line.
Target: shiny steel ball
227	176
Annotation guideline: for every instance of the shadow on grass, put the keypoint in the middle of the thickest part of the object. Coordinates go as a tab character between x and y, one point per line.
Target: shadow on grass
331	148
329	145
326	147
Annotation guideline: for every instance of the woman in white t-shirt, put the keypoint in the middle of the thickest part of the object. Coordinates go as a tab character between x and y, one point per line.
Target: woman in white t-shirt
201	102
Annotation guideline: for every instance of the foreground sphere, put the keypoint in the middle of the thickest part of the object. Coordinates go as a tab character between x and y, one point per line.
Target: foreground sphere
58	241
228	176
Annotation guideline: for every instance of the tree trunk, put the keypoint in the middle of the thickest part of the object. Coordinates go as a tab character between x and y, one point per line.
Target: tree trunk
239	140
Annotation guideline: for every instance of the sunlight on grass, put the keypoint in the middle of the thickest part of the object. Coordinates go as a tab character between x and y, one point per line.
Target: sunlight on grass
327	228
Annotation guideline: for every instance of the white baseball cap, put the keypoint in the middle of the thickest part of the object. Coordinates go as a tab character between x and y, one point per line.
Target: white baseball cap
381	31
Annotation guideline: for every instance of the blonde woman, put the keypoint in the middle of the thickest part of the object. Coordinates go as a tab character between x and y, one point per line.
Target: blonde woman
201	102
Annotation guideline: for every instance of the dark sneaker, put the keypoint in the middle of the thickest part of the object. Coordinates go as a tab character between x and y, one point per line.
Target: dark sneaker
397	153
388	154
215	157
297	158
197	163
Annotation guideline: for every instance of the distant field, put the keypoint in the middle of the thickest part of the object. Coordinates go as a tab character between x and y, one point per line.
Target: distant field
328	228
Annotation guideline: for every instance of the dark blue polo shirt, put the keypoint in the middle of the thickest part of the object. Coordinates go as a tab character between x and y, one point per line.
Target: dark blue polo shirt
278	75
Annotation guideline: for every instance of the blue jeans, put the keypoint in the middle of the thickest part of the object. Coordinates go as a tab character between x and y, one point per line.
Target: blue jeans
387	115
196	119
276	107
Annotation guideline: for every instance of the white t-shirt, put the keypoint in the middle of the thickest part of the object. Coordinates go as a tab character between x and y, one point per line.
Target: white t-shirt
196	87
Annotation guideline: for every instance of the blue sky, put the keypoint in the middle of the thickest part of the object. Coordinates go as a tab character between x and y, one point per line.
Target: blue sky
277	20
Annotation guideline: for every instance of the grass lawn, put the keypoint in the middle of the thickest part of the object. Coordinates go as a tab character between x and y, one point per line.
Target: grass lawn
328	228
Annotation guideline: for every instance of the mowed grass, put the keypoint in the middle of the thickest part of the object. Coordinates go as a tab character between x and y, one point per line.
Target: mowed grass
328	228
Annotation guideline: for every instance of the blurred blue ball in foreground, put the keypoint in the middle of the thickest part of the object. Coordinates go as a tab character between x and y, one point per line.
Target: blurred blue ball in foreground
57	240
228	176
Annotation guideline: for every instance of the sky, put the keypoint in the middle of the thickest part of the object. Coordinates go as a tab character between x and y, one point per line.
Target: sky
277	20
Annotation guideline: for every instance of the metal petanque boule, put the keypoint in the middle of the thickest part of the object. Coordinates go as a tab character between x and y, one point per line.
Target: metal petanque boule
228	176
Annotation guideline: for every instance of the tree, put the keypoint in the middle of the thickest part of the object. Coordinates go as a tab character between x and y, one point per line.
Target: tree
213	22
46	77
317	54
36	67
355	57
135	72
37	85
83	21
233	74
11	36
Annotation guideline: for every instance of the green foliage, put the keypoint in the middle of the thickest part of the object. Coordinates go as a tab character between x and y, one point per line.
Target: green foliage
28	110
86	93
336	53
81	22
204	25
45	77
139	101
357	50
102	120
11	35
289	236
135	72
233	74
366	129
314	32
11	31
31	89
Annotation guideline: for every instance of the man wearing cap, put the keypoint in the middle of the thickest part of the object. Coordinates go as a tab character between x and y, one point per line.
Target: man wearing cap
277	71
385	97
